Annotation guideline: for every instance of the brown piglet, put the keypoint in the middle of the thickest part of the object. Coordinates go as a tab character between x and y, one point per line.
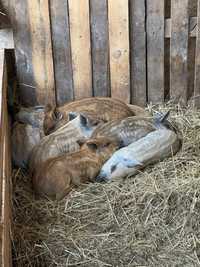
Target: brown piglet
103	108
57	176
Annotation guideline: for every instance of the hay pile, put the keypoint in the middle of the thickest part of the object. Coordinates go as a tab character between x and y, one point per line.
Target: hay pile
152	219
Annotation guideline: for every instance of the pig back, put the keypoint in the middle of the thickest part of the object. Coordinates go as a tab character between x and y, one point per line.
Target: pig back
126	130
155	146
62	141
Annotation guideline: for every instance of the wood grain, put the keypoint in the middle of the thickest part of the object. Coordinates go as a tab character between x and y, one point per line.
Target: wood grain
197	62
5	171
80	47
42	58
138	52
61	51
155	50
179	50
100	49
23	54
119	49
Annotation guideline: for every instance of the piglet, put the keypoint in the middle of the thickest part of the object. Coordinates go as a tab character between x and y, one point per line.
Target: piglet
63	140
56	177
155	146
33	116
103	108
130	129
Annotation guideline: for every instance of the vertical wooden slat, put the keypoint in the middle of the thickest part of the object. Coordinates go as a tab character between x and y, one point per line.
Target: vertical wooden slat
22	41
179	50
100	50
138	52
5	171
197	62
42	58
80	46
61	51
155	50
119	49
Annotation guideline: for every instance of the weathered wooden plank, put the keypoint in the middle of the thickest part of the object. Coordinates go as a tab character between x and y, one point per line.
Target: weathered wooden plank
6	39
138	52
179	50
22	40
100	50
61	51
42	58
80	47
192	27
119	49
197	62
155	50
5	170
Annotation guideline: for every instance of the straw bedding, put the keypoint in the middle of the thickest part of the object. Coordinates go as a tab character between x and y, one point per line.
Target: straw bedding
151	219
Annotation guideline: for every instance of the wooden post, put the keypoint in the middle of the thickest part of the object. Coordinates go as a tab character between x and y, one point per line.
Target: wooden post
179	50
100	50
155	50
138	52
5	170
197	62
80	46
119	49
61	51
42	58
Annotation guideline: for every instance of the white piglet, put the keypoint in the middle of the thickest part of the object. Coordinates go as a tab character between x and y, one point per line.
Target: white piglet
155	146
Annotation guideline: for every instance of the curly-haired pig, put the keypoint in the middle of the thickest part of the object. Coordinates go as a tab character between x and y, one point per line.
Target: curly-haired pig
56	177
152	148
131	129
33	116
104	108
63	140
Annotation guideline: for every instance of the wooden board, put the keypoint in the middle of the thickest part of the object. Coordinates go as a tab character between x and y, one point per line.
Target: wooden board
138	52
179	50
42	58
61	51
100	50
5	171
22	41
119	49
197	62
155	50
192	27
80	46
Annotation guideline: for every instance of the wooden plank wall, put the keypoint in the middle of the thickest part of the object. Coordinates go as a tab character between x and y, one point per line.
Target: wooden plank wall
70	49
5	170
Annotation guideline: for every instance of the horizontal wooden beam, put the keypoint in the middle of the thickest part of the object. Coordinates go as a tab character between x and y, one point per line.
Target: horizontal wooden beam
192	27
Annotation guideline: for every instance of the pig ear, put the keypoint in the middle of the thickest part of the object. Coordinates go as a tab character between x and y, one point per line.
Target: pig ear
72	115
92	145
83	120
131	163
80	142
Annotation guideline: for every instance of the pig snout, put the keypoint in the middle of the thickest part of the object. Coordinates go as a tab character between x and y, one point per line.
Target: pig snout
102	177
